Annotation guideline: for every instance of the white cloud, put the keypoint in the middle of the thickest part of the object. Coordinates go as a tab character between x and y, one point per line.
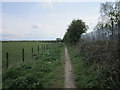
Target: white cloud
49	28
91	21
57	0
36	26
66	19
0	23
18	28
48	4
14	25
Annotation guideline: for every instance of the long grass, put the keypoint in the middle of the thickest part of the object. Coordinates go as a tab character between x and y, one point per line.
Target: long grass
85	76
37	73
96	64
14	50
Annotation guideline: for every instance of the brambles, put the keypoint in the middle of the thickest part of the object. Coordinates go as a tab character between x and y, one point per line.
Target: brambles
96	64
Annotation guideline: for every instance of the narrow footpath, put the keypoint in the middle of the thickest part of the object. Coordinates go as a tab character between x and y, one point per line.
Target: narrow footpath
69	81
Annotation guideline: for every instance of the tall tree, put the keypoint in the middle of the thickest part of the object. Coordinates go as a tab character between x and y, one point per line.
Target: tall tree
74	31
111	11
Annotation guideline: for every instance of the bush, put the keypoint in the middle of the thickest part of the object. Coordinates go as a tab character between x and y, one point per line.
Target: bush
103	57
28	81
96	64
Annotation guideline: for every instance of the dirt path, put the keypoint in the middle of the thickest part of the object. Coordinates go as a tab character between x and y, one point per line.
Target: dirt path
69	82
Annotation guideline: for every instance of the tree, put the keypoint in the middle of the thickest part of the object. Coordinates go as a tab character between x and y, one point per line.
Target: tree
74	31
111	11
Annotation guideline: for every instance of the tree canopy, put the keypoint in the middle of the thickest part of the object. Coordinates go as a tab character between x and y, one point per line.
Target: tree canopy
74	31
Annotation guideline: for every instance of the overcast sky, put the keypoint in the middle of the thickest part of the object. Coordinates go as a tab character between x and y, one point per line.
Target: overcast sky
44	20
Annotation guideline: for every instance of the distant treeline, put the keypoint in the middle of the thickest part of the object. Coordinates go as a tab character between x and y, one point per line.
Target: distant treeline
47	41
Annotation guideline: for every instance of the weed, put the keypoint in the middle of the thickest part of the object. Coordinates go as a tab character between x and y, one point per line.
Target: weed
35	73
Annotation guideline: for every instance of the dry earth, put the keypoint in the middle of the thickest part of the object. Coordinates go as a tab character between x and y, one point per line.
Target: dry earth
69	81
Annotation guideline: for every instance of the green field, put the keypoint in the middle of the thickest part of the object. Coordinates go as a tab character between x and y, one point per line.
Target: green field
14	50
43	72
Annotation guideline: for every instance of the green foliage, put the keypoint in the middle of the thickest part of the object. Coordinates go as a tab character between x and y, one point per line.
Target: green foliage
36	73
74	31
14	50
96	64
85	76
27	81
110	18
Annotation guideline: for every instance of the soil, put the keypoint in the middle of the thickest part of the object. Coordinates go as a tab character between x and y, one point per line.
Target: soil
69	81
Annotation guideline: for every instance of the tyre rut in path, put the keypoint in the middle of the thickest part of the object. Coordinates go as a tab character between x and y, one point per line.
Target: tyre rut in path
69	81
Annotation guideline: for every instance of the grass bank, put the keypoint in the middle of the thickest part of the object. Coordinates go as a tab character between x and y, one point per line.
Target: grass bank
42	72
84	75
96	64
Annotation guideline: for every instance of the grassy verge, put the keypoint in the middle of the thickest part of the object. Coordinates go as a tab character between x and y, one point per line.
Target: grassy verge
96	64
59	72
37	73
85	76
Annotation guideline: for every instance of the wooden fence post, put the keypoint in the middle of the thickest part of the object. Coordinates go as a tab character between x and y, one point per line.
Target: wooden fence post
32	51
7	63
46	46
23	55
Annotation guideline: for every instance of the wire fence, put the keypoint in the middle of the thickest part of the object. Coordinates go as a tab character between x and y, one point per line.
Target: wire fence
7	60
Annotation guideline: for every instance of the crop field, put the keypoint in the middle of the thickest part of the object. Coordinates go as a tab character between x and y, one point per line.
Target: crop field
14	50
